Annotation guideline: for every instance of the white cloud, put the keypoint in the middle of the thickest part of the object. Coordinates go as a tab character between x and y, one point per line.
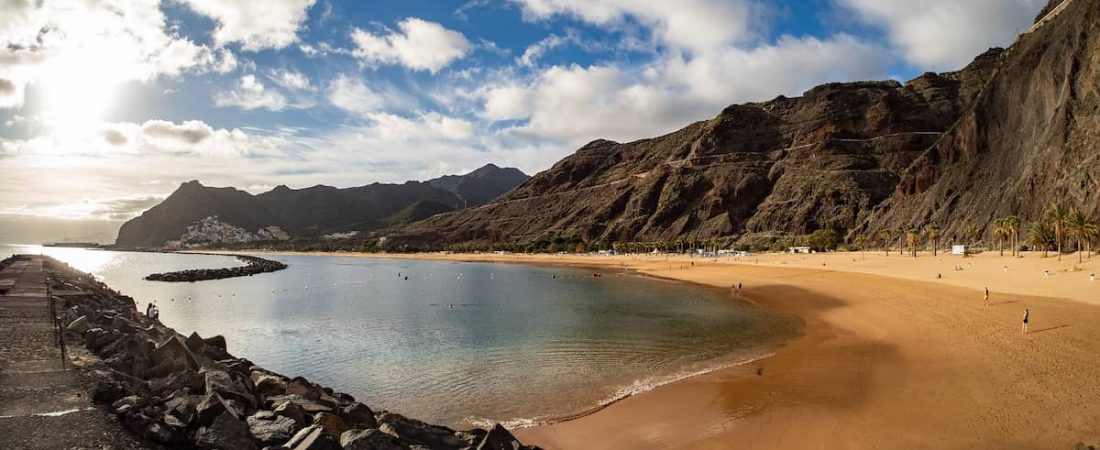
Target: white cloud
575	104
291	79
255	24
419	45
698	25
90	46
353	95
226	61
251	94
507	102
946	34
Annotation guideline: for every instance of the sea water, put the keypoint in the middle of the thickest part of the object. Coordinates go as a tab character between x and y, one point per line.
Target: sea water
455	343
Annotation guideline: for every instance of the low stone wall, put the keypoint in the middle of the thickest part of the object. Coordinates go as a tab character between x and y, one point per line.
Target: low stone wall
191	392
253	265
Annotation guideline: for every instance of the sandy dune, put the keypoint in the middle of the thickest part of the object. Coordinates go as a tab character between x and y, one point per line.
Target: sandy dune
893	357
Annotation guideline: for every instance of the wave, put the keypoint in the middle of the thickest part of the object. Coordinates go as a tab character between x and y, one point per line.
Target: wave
639	386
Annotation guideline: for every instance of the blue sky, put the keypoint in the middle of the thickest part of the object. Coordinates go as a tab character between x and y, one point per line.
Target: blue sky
119	101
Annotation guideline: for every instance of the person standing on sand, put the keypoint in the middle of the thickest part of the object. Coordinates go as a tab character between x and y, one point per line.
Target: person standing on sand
1024	330
987	296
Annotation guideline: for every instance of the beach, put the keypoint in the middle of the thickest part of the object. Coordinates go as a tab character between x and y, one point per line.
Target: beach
897	352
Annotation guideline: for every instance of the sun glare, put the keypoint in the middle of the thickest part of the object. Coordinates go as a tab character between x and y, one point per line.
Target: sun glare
77	93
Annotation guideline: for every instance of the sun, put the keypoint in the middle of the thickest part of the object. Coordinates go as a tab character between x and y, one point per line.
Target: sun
77	92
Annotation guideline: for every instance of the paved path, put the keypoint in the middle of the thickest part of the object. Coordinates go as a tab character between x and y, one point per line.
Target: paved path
42	405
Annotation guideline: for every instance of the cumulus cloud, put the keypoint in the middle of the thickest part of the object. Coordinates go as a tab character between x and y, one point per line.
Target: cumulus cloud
574	104
190	132
946	34
251	94
255	24
698	25
291	79
352	95
418	45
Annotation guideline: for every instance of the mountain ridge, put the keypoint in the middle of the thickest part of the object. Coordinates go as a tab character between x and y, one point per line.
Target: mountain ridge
314	211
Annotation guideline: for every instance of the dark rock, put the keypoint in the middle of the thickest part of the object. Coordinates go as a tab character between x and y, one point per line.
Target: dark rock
195	343
108	391
79	325
172	355
268	384
333	424
213	406
312	438
300	386
270	428
369	440
292	411
499	438
358	415
217	341
413	431
226	433
308	406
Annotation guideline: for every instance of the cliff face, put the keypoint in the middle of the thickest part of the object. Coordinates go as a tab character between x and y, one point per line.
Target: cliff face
1031	137
317	210
789	165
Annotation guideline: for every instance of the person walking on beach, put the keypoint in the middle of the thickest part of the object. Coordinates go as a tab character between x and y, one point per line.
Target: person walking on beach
1024	330
986	296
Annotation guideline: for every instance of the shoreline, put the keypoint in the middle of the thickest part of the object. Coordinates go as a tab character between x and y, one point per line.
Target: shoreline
886	344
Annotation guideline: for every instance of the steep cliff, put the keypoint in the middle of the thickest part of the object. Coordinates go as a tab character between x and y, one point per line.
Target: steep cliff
789	165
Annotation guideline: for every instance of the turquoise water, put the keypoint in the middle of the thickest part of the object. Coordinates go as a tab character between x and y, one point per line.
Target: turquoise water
457	343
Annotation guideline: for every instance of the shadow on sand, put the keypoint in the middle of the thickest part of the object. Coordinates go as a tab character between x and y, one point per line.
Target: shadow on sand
1047	329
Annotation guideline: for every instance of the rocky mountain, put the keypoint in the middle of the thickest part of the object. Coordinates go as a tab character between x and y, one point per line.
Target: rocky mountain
315	211
789	165
1009	133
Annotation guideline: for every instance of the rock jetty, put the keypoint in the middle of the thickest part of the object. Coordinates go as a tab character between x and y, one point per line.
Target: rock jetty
253	265
190	392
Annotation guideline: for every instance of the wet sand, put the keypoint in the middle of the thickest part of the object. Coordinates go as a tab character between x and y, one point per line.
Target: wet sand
892	357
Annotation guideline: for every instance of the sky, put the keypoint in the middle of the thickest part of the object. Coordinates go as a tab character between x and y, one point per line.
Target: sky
106	106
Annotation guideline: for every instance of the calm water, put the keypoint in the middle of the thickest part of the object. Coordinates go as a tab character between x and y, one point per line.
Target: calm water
458	343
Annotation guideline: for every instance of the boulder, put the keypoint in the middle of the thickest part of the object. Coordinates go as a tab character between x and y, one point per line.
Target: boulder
226	433
223	383
308	406
358	415
300	386
292	411
413	431
268	384
270	428
195	343
173	353
79	325
188	380
211	407
369	440
499	438
217	341
312	438
182	407
333	424
107	391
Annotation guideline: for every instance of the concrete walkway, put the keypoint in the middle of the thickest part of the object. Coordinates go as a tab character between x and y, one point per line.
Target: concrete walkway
42	404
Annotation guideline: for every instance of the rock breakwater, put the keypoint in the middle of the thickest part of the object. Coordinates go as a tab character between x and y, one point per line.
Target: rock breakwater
253	265
189	391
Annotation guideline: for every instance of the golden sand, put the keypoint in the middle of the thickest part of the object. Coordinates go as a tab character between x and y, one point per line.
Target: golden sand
898	352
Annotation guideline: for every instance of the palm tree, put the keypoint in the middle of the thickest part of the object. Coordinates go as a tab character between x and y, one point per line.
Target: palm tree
1012	227
971	235
1000	231
1081	227
885	235
1041	235
913	236
1058	215
933	236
